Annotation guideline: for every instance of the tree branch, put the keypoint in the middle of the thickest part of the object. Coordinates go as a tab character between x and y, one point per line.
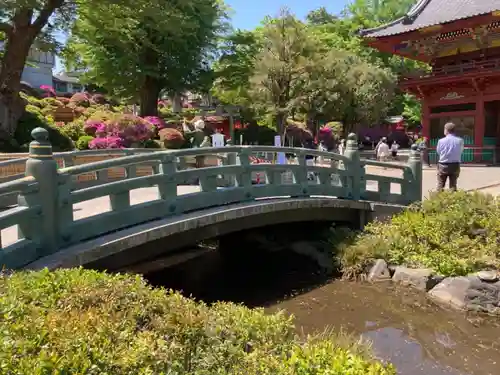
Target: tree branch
45	13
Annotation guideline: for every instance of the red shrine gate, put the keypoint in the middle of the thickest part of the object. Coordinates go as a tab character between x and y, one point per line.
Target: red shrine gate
460	40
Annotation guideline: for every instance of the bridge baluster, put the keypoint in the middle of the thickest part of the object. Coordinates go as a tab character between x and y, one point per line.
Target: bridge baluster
244	177
354	167
300	175
42	166
167	189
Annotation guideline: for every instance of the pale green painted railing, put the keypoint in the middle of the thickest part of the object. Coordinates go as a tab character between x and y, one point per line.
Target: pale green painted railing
44	214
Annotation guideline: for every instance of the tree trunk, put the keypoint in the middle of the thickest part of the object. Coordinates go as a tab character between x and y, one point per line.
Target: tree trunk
176	103
21	33
17	49
149	94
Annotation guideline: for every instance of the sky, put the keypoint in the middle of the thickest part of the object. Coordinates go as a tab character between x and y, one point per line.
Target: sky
247	14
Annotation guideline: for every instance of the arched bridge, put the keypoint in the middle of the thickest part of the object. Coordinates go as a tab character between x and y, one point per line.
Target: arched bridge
61	223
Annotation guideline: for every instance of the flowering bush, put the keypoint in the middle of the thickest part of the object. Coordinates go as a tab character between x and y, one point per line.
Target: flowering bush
48	91
171	138
91	127
79	100
130	128
156	121
106	142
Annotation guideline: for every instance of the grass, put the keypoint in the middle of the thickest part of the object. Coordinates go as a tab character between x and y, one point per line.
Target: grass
86	322
452	233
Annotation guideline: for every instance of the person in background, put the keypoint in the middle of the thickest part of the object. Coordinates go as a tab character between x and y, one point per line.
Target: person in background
382	150
394	150
422	146
449	150
341	146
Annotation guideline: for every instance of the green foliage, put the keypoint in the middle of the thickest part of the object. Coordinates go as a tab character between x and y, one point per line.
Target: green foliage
85	322
451	233
33	118
83	142
155	46
74	129
287	68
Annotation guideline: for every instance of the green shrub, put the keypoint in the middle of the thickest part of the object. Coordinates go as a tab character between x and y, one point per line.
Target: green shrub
85	322
52	102
33	118
74	129
83	142
452	233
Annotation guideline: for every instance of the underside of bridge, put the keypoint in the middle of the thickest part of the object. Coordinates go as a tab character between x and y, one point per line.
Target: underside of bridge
156	245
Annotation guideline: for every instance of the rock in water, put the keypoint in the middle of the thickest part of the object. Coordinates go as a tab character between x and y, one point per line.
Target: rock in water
469	293
419	278
379	271
488	276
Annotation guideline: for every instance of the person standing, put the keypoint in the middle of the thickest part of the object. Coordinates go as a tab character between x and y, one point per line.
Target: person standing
394	150
449	151
382	150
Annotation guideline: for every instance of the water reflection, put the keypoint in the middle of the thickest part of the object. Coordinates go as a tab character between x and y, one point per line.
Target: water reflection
406	329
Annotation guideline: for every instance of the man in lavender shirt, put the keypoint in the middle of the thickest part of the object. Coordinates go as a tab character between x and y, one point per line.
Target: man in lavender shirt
449	150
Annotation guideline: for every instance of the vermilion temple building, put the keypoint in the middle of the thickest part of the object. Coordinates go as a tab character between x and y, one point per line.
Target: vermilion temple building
460	40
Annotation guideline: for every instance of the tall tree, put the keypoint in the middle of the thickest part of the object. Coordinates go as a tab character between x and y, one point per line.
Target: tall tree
22	22
235	67
286	50
163	45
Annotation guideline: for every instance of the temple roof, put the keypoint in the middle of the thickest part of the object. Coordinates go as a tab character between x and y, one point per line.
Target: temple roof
433	12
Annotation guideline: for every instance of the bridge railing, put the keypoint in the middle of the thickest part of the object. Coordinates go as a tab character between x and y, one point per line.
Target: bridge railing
48	197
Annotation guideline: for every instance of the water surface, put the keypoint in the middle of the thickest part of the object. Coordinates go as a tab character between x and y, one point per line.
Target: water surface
418	337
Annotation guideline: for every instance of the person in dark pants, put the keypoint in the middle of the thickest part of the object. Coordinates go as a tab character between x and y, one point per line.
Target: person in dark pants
449	150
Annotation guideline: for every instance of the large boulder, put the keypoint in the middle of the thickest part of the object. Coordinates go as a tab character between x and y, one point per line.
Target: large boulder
468	293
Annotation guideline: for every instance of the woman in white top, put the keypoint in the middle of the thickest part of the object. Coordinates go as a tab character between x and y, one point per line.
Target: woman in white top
383	150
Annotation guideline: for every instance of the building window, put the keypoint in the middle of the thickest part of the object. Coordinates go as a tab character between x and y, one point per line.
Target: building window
61	86
77	88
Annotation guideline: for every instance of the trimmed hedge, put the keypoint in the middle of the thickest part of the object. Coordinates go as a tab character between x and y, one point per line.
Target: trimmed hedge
453	233
86	322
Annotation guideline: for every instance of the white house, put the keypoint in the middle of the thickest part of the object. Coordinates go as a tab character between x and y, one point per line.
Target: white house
38	70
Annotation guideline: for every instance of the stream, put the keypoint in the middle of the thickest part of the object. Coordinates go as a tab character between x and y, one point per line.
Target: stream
405	328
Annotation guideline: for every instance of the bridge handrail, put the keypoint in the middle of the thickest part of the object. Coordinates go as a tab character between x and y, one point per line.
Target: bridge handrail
47	195
17	186
375	163
159	155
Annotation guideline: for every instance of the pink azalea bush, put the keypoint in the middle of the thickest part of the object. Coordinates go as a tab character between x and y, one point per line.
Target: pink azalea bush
49	91
156	121
91	127
106	142
119	130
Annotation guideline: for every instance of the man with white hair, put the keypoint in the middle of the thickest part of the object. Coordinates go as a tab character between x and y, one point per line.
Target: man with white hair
449	150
